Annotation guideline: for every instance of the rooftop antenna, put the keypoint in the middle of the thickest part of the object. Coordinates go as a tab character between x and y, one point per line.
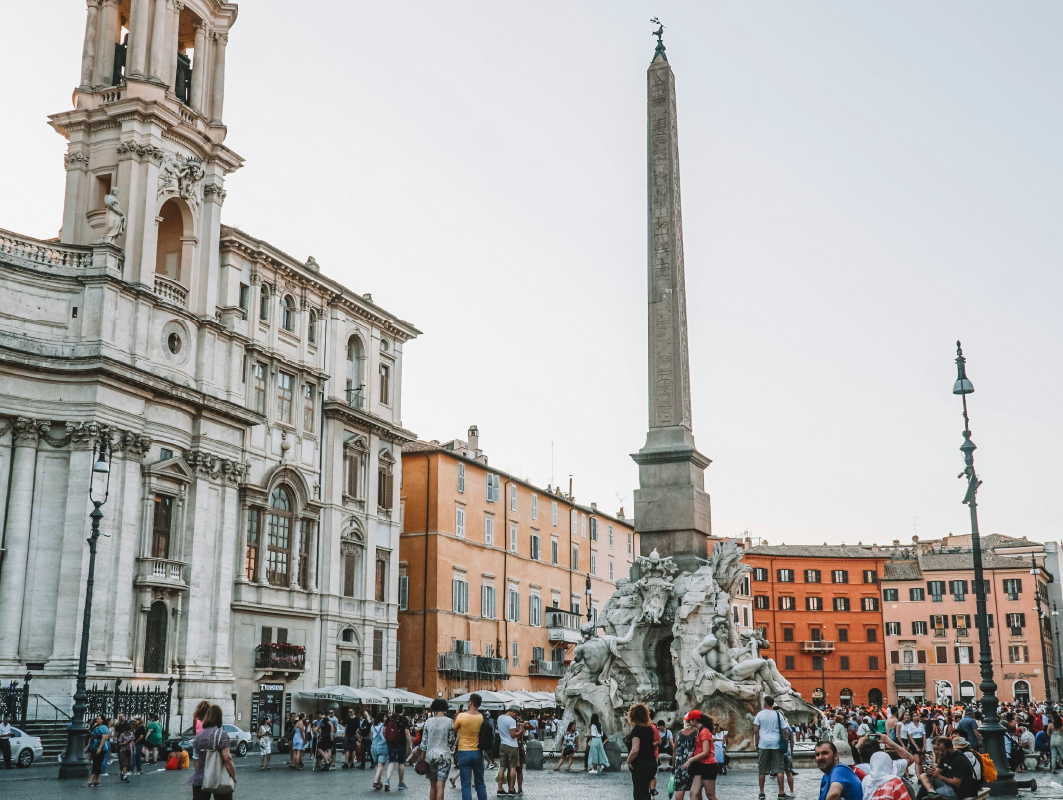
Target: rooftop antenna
551	462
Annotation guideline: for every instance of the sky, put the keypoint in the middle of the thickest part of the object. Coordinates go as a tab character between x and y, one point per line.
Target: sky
863	184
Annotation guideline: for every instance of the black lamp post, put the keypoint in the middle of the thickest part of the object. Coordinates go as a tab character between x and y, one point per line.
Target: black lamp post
1041	617
74	764
991	731
1055	660
590	613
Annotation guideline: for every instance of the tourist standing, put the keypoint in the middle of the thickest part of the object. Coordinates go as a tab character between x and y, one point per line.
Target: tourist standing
97	748
508	754
125	740
436	736
468	725
6	735
596	754
325	737
140	735
365	735
569	745
701	764
265	743
767	737
684	748
351	737
212	738
641	759
299	737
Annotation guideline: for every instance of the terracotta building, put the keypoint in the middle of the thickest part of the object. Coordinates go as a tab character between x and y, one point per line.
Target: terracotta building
820	609
507	571
931	627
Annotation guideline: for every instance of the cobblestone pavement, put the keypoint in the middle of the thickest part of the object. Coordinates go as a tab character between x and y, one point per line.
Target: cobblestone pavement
40	783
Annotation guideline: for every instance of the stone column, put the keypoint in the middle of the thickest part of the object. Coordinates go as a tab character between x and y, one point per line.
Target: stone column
158	41
88	53
106	36
17	534
221	39
138	38
199	71
175	7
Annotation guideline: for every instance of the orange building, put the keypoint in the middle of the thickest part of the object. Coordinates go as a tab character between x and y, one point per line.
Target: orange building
496	575
821	611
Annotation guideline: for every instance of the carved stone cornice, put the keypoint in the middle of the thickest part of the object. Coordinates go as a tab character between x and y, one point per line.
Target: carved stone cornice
4	427
214	193
76	161
29	431
83	435
215	468
133	446
140	152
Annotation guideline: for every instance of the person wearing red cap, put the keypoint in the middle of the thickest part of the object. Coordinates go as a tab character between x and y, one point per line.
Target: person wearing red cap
702	763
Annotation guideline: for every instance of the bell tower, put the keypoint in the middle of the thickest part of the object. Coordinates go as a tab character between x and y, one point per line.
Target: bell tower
148	122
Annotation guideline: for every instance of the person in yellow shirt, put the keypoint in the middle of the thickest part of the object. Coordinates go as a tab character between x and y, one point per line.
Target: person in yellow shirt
468	726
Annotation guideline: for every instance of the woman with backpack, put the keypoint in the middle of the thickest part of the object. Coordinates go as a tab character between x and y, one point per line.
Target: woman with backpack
212	740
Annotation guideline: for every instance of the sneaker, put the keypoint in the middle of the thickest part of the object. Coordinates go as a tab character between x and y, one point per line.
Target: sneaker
402	785
592	772
502	793
387	787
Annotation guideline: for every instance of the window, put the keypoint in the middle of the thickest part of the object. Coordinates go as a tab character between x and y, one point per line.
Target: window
817	663
839	576
279	537
872	663
939	622
574	605
789	663
889	595
921	656
761	602
487	601
843	663
964	655
251	559
288	313
245	299
404	592
594	529
916	594
489	531
492	488
385	488
553	513
311	327
785	576
536	547
535	611
1016	622
514	604
760	574
990	620
350	567
1013	587
594	564
787	604
380	581
398	654
385	385
870	576
743	587
160	526
987	587
936	590
306	533
629	542
308	407
813	604
553	551
459	522
165	454
841	603
258	378
535	506
787	634
611	570
284	397
263	303
575	557
812	576
893	629
962	623
538	654
378	650
513	538
918	627
872	634
516	655
354	459
869	604
513	497
610	535
745	616
895	656
1018	653
843	634
958	589
461	478
459	596
583	525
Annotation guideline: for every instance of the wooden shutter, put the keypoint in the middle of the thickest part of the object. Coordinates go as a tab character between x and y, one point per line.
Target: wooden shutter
942	655
921	656
348	575
954	620
1018	585
895	656
1022	620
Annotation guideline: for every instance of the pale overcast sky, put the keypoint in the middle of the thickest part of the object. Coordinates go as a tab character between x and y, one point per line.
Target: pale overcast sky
863	183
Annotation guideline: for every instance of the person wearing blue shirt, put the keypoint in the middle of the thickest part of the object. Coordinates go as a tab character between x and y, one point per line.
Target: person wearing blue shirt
839	781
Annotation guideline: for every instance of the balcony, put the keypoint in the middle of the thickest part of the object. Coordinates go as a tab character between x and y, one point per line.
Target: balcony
818	647
910	678
161	572
465	664
940	633
171	291
356	398
280	657
546	669
963	633
35	253
563	626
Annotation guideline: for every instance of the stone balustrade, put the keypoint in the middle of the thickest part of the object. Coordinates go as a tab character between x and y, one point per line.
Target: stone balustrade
171	291
28	252
161	572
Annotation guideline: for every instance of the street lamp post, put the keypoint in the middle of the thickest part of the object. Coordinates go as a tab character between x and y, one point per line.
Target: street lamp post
590	614
74	764
1055	660
991	731
1036	572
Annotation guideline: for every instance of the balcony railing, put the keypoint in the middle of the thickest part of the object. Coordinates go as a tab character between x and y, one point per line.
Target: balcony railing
356	398
910	678
28	252
280	657
161	572
940	633
483	667
547	669
819	646
171	291
563	626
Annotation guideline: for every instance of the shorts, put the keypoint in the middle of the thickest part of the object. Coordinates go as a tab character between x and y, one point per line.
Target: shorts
438	766
379	754
707	772
396	753
350	745
568	751
769	762
508	756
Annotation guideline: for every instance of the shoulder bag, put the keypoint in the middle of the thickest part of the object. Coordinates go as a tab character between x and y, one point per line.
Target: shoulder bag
216	778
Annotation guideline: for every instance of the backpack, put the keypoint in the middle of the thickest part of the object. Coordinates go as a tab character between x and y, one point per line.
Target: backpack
391	731
487	735
989	771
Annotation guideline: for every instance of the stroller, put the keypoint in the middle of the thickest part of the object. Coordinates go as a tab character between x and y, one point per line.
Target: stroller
722	759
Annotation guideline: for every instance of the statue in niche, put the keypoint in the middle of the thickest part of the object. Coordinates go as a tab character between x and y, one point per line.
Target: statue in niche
115	225
182	177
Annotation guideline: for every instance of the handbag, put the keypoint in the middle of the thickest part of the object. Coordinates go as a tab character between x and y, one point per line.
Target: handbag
784	743
216	778
421	767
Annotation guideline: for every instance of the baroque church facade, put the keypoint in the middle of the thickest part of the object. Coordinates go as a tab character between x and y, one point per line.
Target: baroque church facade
250	405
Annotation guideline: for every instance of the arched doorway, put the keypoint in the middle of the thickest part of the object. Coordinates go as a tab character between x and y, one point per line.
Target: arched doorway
155	639
966	691
845	697
874	697
355	371
1021	691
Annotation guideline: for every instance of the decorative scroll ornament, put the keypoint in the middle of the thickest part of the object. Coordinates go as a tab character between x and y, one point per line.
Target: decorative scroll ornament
212	467
182	176
141	150
29	431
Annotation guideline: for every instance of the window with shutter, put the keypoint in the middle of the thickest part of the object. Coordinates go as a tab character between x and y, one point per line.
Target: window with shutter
404	592
348	575
535	506
921	656
843	663
461	478
872	663
942	655
895	656
918	627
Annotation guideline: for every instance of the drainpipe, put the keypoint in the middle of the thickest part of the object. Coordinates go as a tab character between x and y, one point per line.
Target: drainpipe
424	584
505	566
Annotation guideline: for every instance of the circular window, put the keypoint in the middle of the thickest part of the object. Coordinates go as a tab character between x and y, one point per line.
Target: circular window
173	342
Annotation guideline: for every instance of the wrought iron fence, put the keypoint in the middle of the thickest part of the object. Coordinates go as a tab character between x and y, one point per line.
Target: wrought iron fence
14	699
133	701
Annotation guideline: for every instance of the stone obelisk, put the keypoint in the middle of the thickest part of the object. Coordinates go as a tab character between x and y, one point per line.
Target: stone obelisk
672	513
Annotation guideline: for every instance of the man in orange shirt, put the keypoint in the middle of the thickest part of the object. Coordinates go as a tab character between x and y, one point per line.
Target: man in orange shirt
470	760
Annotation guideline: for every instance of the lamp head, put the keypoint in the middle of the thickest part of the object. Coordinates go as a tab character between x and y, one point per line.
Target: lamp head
962	384
101	466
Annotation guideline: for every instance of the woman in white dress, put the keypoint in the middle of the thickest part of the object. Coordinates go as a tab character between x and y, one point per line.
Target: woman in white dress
265	742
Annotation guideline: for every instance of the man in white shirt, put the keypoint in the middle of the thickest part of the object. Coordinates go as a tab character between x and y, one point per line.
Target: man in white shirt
768	726
508	754
6	734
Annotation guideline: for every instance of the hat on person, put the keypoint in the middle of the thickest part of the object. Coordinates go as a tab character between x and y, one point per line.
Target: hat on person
693	715
960	743
514	707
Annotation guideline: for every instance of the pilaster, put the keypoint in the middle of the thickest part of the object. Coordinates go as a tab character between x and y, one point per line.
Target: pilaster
138	38
159	38
88	52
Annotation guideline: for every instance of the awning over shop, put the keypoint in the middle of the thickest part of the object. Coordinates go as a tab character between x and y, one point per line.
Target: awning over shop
348	694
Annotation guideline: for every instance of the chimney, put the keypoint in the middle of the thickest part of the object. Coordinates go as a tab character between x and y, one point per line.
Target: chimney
594	506
621	514
569	487
474	440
